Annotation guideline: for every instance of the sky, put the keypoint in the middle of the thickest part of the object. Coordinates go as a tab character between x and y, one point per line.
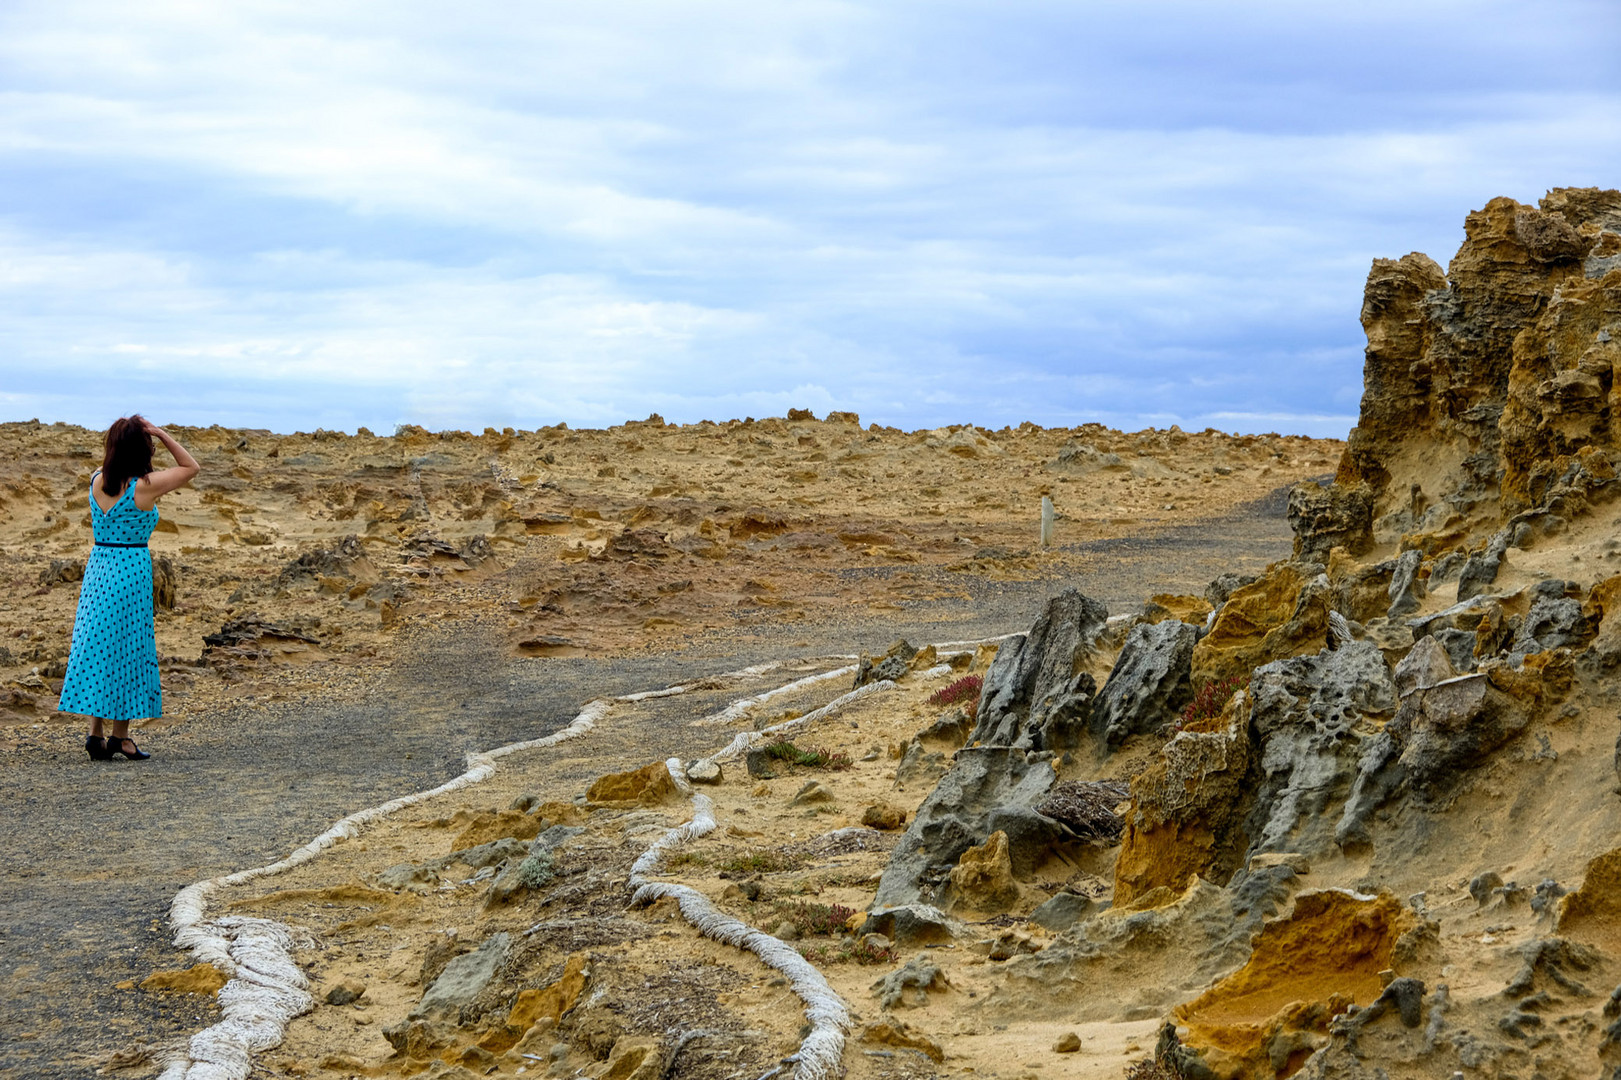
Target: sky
292	216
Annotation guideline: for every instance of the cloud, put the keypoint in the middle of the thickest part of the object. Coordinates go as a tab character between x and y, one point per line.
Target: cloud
922	213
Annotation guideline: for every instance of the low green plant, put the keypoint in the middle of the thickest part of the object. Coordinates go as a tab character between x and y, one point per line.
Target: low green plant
686	858
761	862
783	750
537	871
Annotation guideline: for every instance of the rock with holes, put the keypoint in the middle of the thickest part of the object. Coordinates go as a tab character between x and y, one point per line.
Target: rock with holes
910	985
983	876
1033	698
463	979
957	815
1149	684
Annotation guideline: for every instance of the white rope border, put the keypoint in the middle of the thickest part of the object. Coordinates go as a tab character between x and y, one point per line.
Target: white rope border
266	989
821	1051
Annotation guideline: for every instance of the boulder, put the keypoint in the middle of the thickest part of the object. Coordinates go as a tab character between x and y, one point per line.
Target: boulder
1063	911
1327	518
956	816
1036	695
1554	623
647	786
913	925
1482	567
1149	685
894	664
705	771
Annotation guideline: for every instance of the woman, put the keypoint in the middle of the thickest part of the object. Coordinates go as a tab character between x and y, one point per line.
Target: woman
113	669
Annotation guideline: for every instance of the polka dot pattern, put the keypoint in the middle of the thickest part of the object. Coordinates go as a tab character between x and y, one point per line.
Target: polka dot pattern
113	668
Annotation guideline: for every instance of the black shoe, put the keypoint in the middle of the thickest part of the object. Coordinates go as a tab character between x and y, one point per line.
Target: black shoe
116	746
96	747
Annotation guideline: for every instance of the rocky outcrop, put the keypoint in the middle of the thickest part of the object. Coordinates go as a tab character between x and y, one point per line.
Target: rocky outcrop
1490	387
1148	685
1283	613
1036	695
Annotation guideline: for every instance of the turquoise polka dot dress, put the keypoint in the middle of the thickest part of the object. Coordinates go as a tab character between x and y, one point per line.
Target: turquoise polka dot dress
113	668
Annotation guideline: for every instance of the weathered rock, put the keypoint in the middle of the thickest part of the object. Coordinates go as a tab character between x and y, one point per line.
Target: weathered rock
1068	1043
883	816
1035	696
647	786
913	925
1326	518
1148	686
1304	718
983	876
1449	727
902	1036
165	582
1481	570
1407	588
1217	592
920	766
957	816
705	771
420	1039
910	985
1063	911
894	664
487	828
1460	647
462	980
1283	613
760	764
811	793
62	572
345	992
1553	624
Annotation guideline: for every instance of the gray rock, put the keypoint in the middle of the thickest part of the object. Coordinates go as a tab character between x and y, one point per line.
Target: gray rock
914	925
494	853
811	793
412	877
547	841
1305	716
920	766
1407	589
1483	884
760	764
1447	567
1446	726
1062	912
463	979
910	985
1482	567
1032	698
956	816
1459	646
1030	835
1551	624
895	663
1218	591
705	771
1149	684
1326	518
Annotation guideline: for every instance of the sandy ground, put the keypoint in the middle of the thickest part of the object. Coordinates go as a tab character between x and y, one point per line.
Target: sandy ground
268	739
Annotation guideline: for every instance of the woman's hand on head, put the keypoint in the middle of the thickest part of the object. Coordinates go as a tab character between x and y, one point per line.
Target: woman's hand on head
151	428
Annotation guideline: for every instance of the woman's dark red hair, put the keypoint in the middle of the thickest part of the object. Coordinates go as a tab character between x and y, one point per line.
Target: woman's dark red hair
128	454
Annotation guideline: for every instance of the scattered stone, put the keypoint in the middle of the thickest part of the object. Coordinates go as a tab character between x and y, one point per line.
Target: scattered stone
893	665
346	992
813	793
786	931
462	980
883	816
910	985
705	771
1068	1043
62	572
647	786
902	1036
1481	886
913	925
760	764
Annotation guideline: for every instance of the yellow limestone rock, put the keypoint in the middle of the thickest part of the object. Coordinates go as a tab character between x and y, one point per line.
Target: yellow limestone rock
983	876
1278	615
902	1036
503	823
544	1004
197	979
647	786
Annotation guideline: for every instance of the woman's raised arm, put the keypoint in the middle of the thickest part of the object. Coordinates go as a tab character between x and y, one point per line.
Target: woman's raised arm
166	480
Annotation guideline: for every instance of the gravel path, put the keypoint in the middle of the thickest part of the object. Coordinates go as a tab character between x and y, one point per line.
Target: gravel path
96	851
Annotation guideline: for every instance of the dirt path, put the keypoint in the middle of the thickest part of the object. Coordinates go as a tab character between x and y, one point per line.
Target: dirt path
96	851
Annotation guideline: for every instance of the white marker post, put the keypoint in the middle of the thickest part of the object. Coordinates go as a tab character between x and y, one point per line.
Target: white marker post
1046	521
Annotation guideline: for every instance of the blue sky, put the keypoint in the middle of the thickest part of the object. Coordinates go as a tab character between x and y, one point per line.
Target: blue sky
1143	213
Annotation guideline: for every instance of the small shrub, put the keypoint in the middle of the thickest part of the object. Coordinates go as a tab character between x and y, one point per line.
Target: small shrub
809	917
537	871
1209	702
966	688
685	858
761	862
859	953
863	953
783	750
